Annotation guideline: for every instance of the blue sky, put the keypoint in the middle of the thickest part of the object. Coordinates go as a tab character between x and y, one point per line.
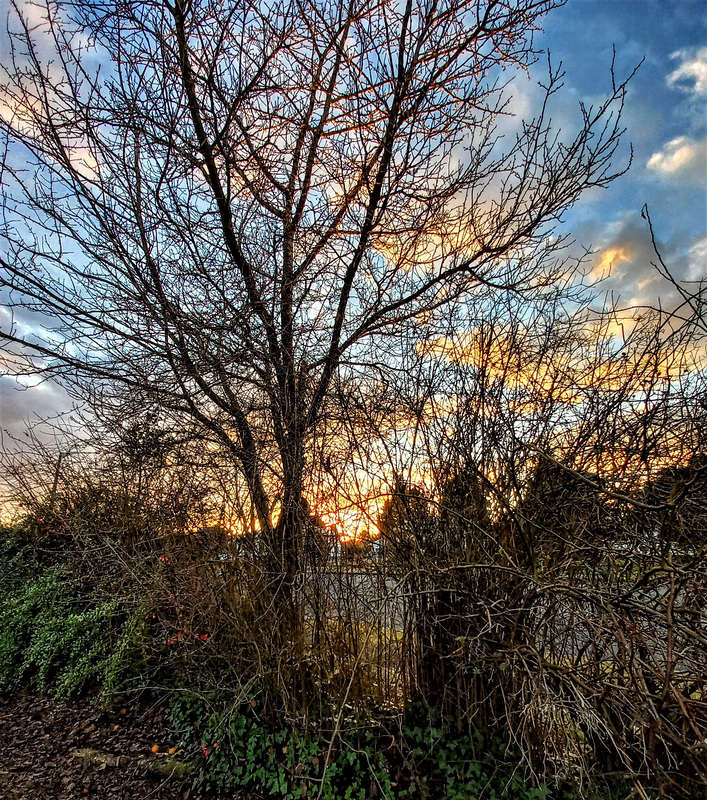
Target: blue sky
666	124
666	121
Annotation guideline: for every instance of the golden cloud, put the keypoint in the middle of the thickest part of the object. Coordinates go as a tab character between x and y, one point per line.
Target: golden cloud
534	374
608	259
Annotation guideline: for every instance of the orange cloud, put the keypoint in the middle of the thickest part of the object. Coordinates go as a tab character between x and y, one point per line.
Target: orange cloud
533	374
608	259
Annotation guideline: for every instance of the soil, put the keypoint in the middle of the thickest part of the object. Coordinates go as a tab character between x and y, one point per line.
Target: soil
54	751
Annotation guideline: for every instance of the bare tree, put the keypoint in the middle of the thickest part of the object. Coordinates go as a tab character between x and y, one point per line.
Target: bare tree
219	208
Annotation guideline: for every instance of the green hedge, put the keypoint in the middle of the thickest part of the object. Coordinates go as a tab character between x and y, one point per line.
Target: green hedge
54	634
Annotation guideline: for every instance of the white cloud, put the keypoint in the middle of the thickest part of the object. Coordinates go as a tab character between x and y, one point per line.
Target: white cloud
681	156
21	404
693	69
697	260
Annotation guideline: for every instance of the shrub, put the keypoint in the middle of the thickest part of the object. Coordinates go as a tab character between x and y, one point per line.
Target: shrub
57	636
425	760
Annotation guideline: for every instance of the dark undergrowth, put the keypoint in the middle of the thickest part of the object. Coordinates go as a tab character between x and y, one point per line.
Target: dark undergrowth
76	620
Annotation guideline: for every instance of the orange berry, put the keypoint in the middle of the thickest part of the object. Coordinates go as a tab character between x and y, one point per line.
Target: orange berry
122	711
115	727
155	748
172	750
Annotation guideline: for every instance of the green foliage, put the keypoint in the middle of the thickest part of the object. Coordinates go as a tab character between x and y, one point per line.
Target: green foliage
236	751
55	636
459	766
18	560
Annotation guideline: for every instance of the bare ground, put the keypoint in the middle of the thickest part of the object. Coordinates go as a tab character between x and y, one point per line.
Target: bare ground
54	751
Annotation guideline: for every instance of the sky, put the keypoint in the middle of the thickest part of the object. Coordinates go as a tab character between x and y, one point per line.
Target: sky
666	121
